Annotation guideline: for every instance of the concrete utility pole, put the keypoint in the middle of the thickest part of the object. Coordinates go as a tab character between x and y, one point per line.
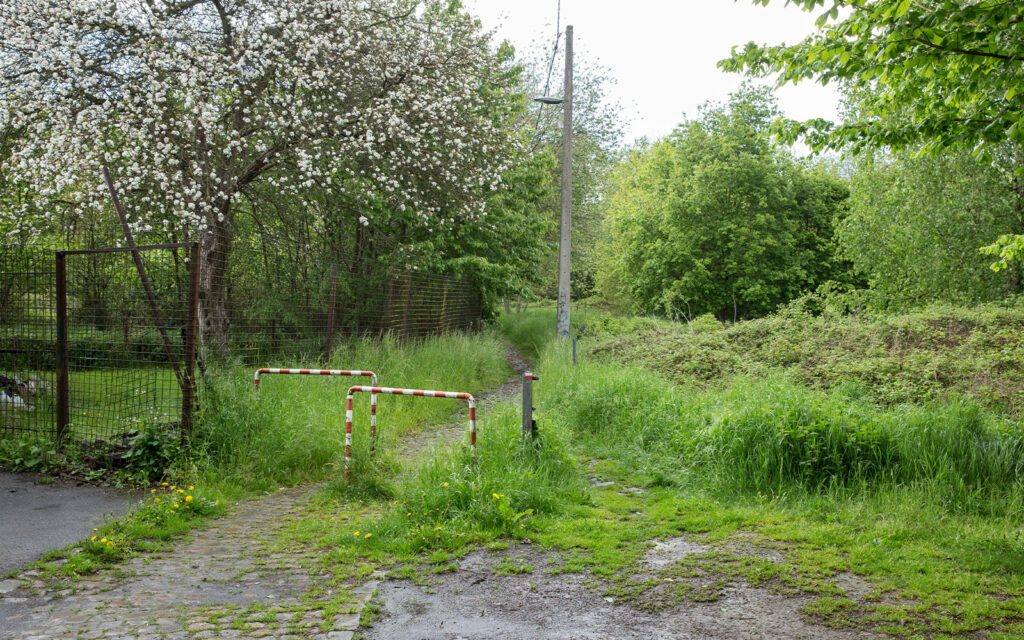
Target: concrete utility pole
565	230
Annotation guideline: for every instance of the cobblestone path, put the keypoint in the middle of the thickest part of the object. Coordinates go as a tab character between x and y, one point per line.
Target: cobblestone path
222	583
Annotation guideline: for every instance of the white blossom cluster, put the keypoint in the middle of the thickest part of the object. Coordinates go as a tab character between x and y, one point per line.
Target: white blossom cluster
189	102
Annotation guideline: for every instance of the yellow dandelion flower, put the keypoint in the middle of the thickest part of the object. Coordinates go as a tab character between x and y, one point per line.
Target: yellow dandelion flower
188	498
156	500
93	539
163	484
444	485
104	540
356	534
190	487
181	491
368	536
152	490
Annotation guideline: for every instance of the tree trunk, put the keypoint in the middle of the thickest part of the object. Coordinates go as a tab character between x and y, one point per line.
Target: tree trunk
1018	190
215	250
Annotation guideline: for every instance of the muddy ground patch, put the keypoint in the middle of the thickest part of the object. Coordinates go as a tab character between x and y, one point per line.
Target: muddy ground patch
515	594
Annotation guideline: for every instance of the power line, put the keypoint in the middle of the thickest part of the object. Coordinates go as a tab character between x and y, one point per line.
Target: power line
554	52
551	66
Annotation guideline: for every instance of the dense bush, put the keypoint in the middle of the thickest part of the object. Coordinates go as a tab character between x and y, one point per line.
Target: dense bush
716	219
916	224
933	353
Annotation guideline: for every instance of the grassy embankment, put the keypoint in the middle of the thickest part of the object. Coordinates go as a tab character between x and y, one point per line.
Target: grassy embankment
885	448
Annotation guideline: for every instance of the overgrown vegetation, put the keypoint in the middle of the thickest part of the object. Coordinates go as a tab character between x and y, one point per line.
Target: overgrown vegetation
923	498
939	352
716	219
292	431
139	459
453	501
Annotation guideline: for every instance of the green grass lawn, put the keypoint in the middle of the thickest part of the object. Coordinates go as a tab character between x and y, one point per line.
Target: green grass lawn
103	403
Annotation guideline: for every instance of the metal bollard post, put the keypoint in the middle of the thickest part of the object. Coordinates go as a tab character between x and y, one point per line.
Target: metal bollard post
529	424
575	337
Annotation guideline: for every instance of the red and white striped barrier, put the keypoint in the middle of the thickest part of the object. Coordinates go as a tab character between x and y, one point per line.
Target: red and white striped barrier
332	372
456	395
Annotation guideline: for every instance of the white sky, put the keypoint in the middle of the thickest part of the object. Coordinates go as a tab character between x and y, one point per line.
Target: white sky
662	53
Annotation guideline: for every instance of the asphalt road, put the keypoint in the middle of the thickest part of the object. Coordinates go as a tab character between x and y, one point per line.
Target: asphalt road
36	518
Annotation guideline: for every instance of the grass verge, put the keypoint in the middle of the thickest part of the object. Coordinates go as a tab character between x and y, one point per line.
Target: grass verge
924	501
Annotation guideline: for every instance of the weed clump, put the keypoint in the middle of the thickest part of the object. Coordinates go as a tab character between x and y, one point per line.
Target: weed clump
457	498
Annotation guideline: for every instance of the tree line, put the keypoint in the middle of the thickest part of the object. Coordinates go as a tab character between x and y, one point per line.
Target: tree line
287	134
919	198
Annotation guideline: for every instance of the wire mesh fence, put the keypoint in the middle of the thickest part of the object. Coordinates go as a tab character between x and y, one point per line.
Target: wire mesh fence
260	306
122	331
27	334
89	350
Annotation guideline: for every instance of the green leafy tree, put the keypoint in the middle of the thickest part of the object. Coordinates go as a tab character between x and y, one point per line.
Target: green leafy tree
715	219
928	74
932	72
915	225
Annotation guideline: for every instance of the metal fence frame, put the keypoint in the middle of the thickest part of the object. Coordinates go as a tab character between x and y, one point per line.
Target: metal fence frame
266	326
185	376
455	395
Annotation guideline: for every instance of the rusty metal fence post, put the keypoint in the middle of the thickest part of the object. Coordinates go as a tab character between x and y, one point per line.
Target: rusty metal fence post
529	424
63	382
188	386
332	305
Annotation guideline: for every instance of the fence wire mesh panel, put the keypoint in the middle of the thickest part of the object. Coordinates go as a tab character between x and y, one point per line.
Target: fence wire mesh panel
268	310
125	341
91	351
27	314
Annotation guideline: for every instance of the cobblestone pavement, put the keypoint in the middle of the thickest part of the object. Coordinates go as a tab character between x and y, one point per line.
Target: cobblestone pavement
220	584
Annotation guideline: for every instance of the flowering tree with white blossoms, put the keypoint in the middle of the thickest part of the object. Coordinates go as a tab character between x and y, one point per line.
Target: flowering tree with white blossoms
191	103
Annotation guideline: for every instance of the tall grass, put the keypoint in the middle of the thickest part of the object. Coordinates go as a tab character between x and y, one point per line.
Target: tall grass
774	435
292	431
453	500
531	331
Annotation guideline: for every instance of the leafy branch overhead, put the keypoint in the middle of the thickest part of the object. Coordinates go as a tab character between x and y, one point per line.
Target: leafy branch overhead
935	72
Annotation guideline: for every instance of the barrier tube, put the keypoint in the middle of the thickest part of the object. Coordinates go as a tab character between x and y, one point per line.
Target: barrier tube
373	391
332	372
